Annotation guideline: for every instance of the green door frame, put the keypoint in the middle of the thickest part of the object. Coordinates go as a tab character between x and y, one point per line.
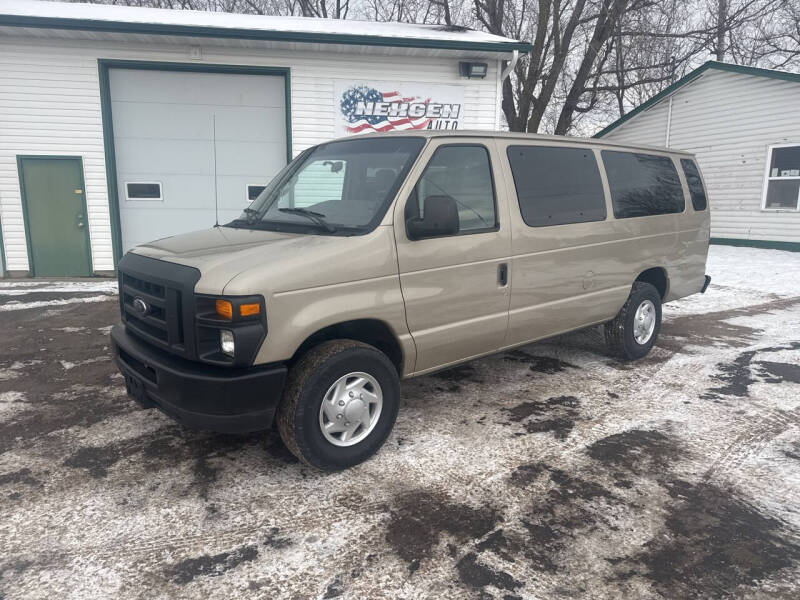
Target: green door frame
103	66
25	218
4	268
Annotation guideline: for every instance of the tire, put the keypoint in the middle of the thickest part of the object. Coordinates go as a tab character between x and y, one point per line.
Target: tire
301	416
621	331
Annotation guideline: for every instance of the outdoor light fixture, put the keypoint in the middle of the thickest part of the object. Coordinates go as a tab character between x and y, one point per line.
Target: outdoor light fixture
473	70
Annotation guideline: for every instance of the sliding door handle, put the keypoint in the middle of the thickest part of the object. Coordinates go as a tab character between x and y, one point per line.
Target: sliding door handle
502	274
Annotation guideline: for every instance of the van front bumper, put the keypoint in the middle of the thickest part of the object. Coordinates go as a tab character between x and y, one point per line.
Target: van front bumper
224	399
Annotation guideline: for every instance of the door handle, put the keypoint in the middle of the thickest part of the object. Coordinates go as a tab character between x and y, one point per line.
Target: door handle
502	274
79	221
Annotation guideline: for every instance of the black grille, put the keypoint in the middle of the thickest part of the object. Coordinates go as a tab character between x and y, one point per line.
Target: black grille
167	291
141	285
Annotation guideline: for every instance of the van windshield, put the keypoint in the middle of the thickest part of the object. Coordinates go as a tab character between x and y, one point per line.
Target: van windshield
338	188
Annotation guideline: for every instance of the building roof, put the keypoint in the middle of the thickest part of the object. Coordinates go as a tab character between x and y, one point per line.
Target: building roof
136	20
712	64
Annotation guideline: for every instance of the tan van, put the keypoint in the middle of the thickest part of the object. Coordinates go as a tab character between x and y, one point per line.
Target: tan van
387	256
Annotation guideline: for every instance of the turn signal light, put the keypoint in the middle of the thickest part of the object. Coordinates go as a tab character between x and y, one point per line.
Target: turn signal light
224	309
248	310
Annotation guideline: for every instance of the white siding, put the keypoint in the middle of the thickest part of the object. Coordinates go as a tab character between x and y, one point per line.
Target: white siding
729	120
50	104
648	128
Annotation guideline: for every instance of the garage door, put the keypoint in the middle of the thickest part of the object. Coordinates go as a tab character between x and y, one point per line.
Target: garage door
165	150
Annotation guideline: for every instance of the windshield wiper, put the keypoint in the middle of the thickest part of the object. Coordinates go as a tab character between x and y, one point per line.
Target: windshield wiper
245	224
318	218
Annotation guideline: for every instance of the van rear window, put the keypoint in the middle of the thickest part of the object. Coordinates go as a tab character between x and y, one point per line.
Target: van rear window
695	184
642	184
557	185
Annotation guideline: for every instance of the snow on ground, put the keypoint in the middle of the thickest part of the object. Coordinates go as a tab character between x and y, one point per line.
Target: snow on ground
8	306
19	288
29	294
549	471
753	269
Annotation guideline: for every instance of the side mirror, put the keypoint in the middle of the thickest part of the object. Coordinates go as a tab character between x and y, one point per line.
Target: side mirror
440	218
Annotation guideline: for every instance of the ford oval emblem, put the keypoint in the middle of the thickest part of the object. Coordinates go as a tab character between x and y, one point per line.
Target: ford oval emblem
140	306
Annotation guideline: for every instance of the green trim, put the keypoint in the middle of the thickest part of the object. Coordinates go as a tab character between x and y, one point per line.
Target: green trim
24	200
790	246
3	264
743	70
111	163
258	34
287	90
712	64
103	66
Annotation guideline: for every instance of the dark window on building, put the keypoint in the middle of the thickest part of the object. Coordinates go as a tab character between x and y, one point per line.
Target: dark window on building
464	173
253	191
695	184
642	184
557	185
143	191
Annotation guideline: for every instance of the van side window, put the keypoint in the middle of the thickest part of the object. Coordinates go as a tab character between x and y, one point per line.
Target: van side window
464	173
695	184
557	185
642	184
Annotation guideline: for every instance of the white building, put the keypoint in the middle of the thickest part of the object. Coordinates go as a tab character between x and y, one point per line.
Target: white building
114	121
743	125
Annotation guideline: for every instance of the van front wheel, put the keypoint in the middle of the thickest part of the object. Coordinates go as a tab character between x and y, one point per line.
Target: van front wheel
634	330
340	404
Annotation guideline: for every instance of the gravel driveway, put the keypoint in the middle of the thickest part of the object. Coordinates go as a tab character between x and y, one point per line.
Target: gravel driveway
549	471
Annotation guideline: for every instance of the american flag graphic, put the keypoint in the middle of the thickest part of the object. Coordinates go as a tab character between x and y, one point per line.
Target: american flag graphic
360	122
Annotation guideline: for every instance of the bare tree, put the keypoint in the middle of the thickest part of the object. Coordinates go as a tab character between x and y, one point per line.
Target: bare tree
336	9
591	60
574	64
781	37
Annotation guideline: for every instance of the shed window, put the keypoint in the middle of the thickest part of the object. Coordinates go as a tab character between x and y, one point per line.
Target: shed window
642	184
143	190
253	191
556	186
782	189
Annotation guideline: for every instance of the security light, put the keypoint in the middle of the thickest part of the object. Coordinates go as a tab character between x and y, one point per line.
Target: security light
473	70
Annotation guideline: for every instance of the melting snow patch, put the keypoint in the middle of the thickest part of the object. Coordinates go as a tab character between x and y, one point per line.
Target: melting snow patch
59	302
12	372
16	284
61	287
66	365
10	402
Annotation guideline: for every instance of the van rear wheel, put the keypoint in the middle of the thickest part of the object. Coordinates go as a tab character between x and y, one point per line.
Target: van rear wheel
633	332
340	404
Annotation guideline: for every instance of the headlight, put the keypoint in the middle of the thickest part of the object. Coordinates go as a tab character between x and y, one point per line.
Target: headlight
226	343
229	330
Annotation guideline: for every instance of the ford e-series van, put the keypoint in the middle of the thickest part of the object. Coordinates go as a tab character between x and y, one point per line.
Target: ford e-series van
372	259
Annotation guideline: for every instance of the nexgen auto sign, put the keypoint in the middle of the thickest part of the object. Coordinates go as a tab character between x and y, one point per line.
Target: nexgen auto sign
405	109
363	107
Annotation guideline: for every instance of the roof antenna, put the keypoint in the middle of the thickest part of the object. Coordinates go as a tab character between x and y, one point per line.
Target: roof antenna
214	138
